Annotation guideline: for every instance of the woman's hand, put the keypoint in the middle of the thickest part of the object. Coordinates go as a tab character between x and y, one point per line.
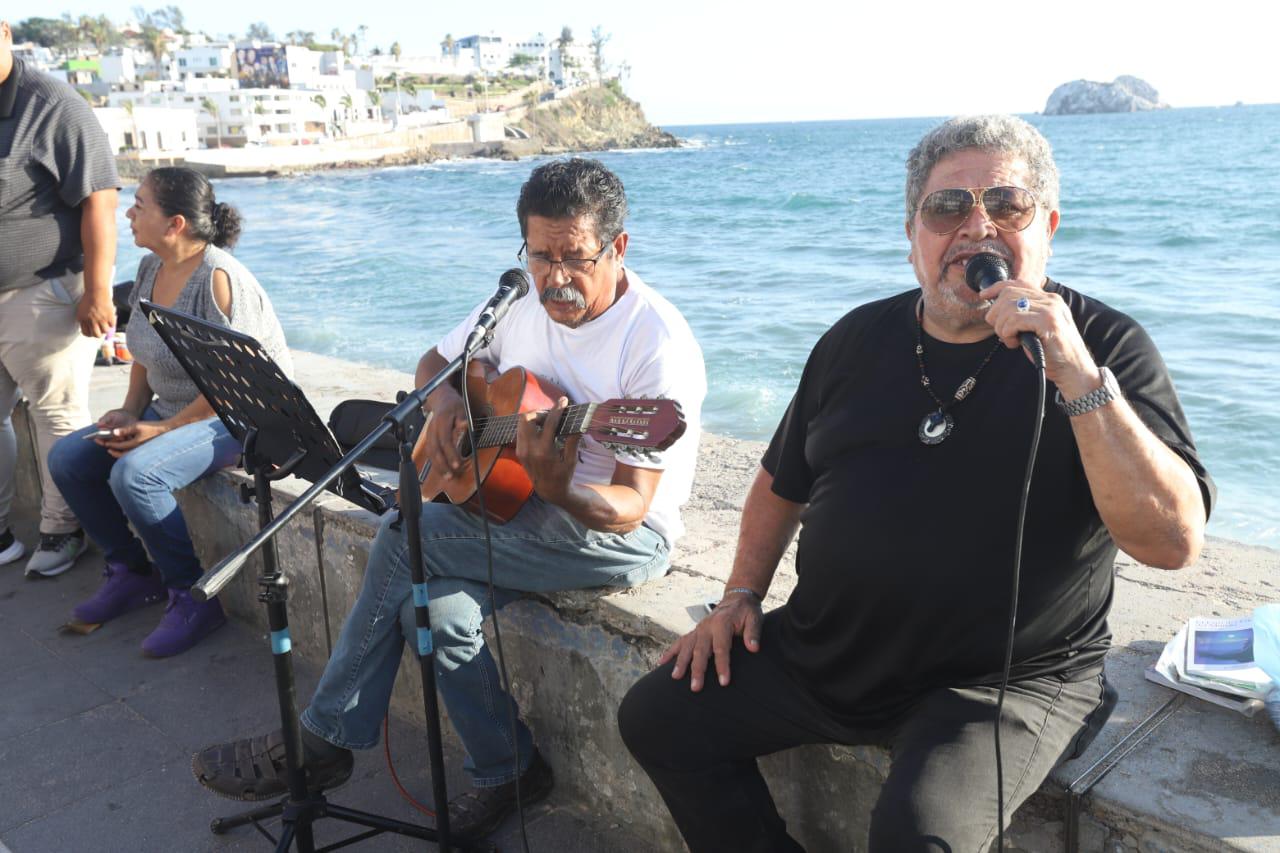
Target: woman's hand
131	434
117	418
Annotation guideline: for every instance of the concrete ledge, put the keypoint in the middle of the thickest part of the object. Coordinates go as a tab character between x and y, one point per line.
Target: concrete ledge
1206	780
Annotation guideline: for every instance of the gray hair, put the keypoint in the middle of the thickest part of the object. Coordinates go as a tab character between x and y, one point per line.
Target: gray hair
998	134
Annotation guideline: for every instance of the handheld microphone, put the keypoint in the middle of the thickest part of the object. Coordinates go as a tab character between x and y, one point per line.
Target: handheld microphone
513	284
985	269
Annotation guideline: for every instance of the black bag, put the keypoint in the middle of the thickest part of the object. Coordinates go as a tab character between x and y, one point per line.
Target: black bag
352	420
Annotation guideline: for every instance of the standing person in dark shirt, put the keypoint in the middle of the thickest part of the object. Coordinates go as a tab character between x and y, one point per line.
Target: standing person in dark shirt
57	251
905	494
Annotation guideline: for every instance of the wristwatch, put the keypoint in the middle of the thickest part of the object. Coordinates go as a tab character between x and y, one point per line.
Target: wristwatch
1095	399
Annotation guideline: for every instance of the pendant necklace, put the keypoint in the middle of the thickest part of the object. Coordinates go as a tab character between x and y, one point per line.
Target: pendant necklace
938	424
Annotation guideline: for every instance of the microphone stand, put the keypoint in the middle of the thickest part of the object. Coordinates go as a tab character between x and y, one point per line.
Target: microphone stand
300	810
281	434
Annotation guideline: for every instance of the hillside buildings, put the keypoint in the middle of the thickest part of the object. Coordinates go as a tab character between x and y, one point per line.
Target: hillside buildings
187	91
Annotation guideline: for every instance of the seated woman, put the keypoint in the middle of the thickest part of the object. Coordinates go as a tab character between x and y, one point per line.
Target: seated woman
165	435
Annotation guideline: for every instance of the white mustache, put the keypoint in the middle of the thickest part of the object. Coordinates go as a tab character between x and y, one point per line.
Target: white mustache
563	294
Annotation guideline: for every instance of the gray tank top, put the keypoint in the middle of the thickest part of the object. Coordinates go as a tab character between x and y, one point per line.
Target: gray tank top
251	314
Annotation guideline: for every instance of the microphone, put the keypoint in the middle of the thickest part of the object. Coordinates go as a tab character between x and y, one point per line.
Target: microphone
985	269
513	284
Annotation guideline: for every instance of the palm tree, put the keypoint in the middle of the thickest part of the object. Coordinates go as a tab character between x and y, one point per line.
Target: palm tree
320	102
97	31
361	30
375	101
598	39
396	50
154	40
176	19
566	61
446	47
211	108
347	105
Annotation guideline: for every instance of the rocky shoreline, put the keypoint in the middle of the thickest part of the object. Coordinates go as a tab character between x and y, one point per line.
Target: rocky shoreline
593	119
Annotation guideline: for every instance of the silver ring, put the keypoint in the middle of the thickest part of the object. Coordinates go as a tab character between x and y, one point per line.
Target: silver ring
1023	304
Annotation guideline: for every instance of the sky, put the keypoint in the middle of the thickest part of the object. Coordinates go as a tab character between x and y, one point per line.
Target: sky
711	62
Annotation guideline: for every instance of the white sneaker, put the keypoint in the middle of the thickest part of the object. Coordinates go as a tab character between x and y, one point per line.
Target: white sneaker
57	553
11	549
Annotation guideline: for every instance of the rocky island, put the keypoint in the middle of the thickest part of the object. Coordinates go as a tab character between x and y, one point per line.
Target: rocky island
1125	94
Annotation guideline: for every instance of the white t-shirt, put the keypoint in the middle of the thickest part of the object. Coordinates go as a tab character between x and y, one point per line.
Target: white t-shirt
640	347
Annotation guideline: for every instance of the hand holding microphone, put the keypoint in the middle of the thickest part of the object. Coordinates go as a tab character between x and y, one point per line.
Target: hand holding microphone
985	269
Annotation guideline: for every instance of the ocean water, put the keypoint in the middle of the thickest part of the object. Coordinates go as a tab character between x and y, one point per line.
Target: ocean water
765	234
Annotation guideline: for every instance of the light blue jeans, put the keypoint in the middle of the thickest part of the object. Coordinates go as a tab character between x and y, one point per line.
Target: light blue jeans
107	494
542	549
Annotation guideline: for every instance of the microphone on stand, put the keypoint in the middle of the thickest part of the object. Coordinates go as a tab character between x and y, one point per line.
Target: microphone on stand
513	284
987	268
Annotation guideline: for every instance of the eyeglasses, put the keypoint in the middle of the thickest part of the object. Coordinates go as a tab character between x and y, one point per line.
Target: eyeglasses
541	265
1008	208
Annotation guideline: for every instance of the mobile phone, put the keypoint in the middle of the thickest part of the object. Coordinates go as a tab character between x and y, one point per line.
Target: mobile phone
102	433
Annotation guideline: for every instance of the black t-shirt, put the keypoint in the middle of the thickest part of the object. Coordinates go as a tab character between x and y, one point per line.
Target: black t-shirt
906	551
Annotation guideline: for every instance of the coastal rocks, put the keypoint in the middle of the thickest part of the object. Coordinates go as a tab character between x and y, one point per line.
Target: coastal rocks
1125	94
596	119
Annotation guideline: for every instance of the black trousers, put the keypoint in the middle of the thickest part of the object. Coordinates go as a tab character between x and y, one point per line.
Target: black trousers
700	750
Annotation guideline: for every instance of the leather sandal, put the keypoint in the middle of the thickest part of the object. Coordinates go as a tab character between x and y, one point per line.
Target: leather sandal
478	812
255	769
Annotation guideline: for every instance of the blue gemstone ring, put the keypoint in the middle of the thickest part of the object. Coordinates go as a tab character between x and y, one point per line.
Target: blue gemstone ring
1024	305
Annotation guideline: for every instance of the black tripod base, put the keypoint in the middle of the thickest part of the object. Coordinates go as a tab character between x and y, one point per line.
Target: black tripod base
317	807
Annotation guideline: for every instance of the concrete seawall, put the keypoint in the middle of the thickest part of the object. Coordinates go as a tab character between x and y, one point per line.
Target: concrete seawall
1206	780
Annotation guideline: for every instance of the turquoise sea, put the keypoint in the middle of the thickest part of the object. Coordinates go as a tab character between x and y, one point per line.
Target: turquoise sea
765	234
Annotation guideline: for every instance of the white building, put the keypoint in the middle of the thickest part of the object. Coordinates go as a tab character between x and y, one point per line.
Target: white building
493	53
536	47
490	52
574	65
149	130
119	69
206	60
237	117
36	54
386	64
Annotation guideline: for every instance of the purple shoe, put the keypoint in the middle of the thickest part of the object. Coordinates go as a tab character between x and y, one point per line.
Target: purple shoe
185	623
121	592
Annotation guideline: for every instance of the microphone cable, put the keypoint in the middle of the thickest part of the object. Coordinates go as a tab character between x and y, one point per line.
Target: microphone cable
1037	355
504	680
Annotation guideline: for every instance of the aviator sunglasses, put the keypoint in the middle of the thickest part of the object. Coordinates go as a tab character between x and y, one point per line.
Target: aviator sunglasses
1008	208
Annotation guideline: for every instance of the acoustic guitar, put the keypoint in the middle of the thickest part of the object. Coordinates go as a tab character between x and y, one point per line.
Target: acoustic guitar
640	426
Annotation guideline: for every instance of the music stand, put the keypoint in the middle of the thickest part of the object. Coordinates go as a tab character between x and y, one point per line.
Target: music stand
281	435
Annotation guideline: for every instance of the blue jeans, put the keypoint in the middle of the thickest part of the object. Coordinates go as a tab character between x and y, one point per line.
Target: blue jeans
542	549
107	494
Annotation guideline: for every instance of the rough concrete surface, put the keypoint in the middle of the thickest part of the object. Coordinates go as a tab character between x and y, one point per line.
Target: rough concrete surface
1205	780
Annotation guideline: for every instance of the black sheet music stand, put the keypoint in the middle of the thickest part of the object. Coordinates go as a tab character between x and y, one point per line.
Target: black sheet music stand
282	435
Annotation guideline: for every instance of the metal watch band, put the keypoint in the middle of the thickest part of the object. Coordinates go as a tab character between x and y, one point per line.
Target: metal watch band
1095	399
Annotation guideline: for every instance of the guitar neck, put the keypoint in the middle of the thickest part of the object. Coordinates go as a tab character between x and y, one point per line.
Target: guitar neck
500	430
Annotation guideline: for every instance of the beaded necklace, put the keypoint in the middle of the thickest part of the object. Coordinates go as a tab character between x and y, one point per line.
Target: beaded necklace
938	424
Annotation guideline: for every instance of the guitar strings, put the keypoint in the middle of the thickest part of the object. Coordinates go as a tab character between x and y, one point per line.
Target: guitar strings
501	429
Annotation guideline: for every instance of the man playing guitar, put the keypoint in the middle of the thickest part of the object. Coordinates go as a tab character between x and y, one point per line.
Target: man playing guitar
598	515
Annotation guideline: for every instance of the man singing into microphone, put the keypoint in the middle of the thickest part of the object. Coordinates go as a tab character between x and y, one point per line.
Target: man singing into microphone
900	461
597	517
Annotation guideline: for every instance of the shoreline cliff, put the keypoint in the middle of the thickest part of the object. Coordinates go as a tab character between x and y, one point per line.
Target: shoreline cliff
598	118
